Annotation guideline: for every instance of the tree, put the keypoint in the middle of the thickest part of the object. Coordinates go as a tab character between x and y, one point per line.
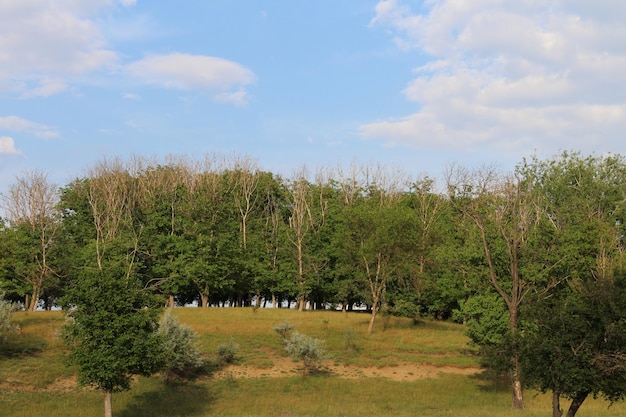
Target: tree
579	346
112	335
575	345
379	239
210	232
308	208
504	211
34	222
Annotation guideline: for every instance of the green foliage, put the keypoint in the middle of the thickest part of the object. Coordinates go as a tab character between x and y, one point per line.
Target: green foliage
112	335
227	353
284	329
182	358
578	347
6	324
307	349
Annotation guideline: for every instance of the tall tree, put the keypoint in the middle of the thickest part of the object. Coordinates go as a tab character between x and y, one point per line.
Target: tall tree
379	228
577	348
308	209
504	210
31	205
113	333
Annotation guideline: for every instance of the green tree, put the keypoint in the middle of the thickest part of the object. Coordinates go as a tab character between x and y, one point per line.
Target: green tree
31	204
504	211
380	236
112	335
577	347
112	332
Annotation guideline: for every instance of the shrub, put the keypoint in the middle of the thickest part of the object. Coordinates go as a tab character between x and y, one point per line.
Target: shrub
284	329
6	326
307	349
227	353
183	359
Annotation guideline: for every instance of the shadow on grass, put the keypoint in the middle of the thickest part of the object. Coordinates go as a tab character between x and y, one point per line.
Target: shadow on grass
19	346
491	382
175	399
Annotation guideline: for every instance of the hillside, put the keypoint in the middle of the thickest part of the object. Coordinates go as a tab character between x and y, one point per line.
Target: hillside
403	369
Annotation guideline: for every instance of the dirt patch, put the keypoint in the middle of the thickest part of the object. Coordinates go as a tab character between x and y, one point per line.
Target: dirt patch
403	371
65	384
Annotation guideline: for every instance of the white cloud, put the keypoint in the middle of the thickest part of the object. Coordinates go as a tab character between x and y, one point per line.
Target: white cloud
225	79
17	124
517	75
46	87
47	43
132	96
7	146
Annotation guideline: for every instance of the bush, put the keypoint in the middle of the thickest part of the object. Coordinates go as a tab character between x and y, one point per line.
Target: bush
6	326
183	359
307	349
284	329
227	353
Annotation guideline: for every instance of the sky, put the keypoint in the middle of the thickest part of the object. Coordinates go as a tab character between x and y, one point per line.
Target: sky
417	85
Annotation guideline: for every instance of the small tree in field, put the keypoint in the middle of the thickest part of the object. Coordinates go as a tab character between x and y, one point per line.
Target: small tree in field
112	332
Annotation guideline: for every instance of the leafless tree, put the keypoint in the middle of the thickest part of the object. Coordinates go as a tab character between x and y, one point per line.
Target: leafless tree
31	202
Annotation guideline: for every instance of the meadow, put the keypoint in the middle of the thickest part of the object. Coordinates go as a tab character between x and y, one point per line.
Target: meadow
406	368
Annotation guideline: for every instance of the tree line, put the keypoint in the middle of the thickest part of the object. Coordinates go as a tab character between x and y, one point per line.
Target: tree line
532	260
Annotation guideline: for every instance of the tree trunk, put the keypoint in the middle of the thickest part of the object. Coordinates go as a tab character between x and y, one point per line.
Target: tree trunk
516	384
170	302
370	328
34	299
204	300
516	373
556	405
576	403
107	404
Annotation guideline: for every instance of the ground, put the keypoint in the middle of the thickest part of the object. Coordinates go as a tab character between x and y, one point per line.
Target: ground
402	371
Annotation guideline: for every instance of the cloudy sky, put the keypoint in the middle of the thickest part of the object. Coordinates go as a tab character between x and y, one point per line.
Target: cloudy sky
413	84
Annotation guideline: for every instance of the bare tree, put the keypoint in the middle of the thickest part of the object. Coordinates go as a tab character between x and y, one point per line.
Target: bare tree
246	180
308	210
384	186
31	203
504	212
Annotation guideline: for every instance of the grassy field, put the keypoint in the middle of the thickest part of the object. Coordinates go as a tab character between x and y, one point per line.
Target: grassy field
34	380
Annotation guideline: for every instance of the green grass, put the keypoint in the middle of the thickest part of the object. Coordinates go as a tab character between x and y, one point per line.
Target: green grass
34	380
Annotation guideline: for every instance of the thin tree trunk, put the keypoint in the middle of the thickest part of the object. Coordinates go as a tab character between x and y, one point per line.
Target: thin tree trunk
576	403
34	299
204	300
556	405
516	373
518	394
370	328
170	302
107	404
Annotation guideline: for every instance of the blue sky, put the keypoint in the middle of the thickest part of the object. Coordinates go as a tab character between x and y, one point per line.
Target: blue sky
410	84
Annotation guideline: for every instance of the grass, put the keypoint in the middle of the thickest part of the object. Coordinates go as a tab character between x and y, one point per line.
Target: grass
34	380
